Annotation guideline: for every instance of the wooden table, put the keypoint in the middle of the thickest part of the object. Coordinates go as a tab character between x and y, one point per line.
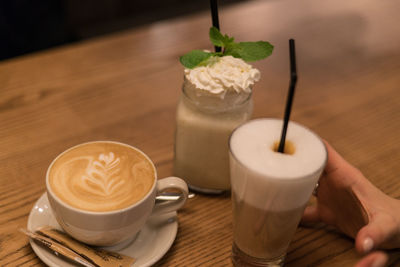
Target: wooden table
125	87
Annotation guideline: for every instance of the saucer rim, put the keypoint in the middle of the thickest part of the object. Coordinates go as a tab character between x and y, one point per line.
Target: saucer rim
171	228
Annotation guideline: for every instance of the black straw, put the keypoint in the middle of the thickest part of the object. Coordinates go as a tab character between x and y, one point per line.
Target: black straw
289	100
215	20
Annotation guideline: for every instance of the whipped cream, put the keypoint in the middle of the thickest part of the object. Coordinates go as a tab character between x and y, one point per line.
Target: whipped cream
224	74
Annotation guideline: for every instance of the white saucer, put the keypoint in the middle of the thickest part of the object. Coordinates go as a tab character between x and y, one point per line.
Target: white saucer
152	242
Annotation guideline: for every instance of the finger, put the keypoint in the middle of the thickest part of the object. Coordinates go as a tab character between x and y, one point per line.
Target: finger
310	215
375	259
337	166
335	160
376	234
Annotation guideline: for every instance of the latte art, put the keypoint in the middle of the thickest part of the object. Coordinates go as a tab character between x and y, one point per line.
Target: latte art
101	176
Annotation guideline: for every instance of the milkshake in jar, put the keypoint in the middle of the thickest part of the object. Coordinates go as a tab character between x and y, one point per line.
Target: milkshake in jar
215	99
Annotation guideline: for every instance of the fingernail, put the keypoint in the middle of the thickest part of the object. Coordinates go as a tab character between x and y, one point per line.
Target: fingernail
380	262
368	244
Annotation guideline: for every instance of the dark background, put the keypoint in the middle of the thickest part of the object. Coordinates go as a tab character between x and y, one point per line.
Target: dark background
27	26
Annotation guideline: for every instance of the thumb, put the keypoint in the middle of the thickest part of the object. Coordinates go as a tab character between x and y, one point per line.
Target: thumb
376	234
375	259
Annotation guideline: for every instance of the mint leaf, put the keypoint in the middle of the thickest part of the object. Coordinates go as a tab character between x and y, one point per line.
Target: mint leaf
248	51
253	51
194	58
228	40
233	49
218	39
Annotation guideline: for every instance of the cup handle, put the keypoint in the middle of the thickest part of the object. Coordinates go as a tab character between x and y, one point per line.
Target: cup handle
171	205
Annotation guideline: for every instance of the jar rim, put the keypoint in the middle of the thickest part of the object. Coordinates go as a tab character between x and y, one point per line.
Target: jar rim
225	101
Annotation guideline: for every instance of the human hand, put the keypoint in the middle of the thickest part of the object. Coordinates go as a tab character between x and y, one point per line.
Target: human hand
348	201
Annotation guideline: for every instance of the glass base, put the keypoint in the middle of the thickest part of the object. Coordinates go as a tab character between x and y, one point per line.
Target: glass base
206	190
241	259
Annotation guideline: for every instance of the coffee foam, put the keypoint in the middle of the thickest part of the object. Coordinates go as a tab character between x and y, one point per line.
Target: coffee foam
284	181
101	176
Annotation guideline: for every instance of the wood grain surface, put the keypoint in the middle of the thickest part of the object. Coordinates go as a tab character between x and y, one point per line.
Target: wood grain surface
125	87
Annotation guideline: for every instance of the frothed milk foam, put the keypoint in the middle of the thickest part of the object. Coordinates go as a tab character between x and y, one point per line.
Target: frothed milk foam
271	189
101	176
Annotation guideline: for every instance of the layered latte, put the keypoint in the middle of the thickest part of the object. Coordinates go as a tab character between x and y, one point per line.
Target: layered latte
270	189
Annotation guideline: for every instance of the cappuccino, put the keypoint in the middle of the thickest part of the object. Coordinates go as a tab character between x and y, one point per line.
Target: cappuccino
101	176
270	189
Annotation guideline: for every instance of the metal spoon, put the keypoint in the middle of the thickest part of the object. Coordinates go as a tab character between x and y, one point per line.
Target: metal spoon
172	196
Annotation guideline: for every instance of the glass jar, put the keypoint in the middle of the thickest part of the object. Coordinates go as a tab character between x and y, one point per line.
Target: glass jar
204	122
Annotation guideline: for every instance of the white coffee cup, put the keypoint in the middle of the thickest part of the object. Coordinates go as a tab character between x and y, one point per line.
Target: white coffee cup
108	228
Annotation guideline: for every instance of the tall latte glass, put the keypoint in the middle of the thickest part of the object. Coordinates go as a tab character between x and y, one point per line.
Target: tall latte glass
102	192
270	189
